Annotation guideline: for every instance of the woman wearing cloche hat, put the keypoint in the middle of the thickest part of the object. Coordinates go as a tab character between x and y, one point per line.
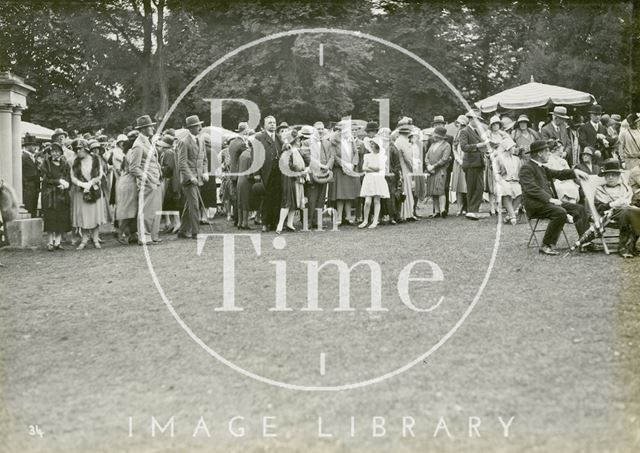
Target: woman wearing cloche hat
435	165
524	136
88	211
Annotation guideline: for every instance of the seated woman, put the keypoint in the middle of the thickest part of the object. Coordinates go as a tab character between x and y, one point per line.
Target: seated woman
615	196
587	164
567	190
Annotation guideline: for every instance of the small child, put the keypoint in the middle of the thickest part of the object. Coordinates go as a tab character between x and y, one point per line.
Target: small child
374	184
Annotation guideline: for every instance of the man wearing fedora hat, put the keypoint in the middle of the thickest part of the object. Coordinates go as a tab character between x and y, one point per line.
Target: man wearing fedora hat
144	166
30	175
59	136
594	134
541	200
192	164
557	129
614	198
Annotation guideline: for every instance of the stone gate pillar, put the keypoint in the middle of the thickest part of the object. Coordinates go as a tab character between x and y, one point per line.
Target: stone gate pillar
16	149
13	100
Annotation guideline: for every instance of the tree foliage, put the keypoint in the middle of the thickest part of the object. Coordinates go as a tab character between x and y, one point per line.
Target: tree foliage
103	63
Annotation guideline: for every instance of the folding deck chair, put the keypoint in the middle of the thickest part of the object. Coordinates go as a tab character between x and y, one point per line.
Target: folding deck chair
533	225
603	229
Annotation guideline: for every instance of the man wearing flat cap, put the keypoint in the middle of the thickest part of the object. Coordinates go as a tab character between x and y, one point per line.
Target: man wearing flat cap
541	200
192	164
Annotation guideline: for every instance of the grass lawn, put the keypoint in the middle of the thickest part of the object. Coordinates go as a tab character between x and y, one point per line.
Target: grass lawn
87	342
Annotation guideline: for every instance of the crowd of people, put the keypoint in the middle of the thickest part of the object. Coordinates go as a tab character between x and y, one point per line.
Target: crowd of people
283	177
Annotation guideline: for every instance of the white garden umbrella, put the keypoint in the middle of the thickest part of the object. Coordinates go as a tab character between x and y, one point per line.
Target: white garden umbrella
532	95
40	132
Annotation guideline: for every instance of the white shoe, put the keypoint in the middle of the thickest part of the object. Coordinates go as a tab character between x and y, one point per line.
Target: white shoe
569	218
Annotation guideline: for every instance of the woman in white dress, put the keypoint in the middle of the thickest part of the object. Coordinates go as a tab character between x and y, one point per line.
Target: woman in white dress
374	185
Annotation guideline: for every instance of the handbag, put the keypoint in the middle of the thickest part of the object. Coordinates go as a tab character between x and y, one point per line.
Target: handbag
92	195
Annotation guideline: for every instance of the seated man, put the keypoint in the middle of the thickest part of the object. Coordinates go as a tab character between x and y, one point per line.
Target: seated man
541	201
615	197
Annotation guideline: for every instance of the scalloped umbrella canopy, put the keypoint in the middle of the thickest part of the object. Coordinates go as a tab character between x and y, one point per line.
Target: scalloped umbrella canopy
532	95
40	132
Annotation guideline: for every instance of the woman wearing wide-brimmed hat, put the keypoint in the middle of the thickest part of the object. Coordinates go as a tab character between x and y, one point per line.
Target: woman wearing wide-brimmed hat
435	165
88	201
458	182
615	198
56	180
495	136
524	135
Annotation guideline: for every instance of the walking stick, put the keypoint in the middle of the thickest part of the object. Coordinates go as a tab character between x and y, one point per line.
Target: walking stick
204	209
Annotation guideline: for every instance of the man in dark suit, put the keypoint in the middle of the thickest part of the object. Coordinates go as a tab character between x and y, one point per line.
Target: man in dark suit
557	129
594	134
541	201
473	148
193	163
30	175
270	173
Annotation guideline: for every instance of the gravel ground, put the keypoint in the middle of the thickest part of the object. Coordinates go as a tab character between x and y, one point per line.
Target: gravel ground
87	343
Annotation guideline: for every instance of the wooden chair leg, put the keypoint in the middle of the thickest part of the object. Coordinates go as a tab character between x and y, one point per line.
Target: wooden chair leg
566	239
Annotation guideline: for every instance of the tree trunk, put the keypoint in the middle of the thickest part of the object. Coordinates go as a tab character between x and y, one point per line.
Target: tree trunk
147	64
160	69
